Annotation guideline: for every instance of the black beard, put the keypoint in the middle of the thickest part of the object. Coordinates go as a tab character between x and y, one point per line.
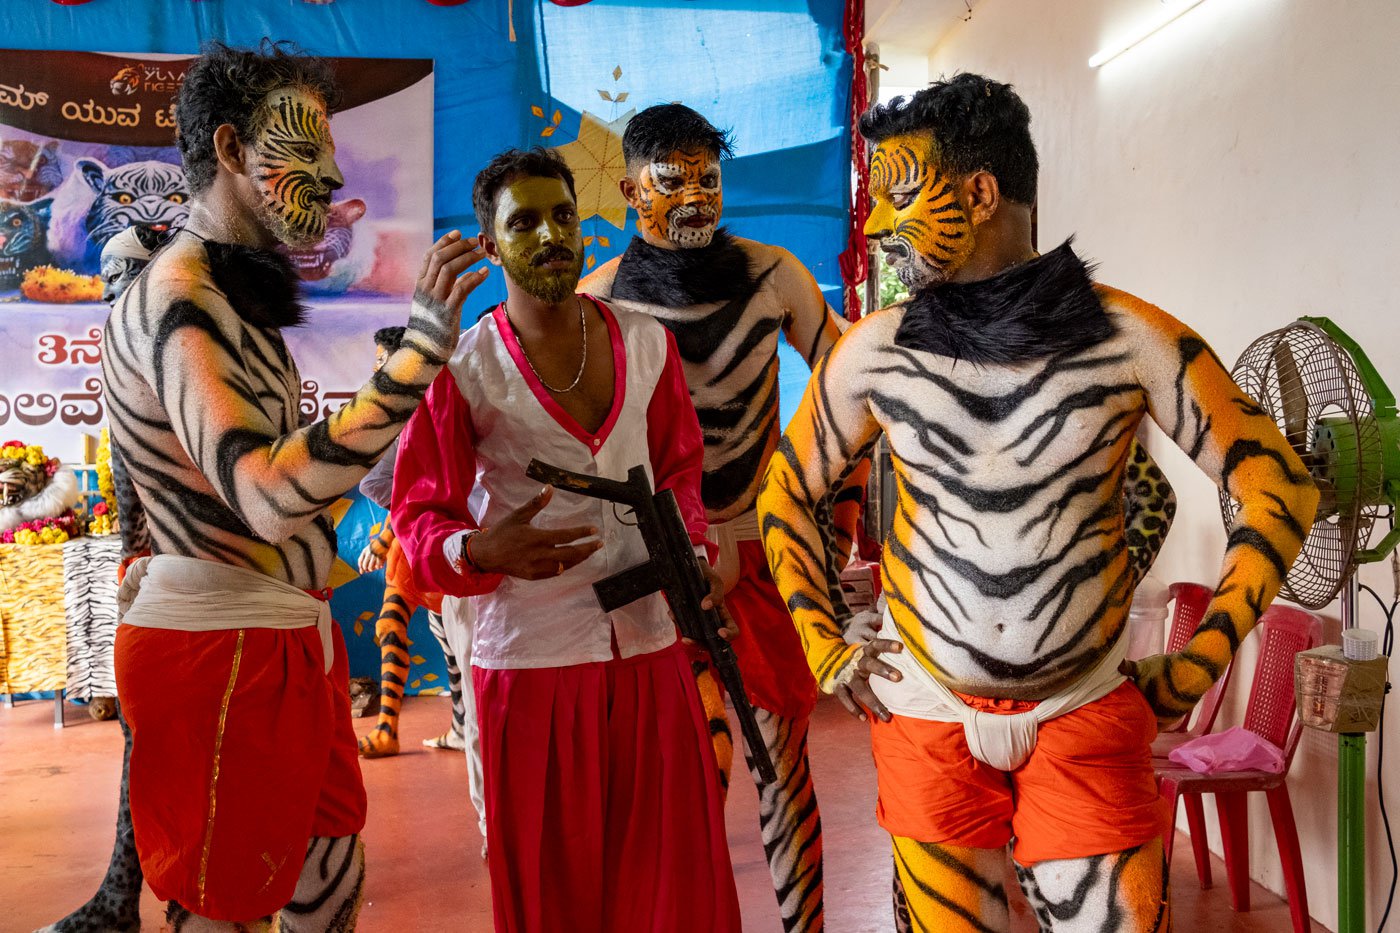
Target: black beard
679	278
1042	307
544	284
261	285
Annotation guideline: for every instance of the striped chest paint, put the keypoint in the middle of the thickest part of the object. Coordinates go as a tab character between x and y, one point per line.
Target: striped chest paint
1006	566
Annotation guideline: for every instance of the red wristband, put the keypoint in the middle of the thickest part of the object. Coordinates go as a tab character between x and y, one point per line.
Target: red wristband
467	551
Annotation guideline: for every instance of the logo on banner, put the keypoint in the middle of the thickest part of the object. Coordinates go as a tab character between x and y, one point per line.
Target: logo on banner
151	77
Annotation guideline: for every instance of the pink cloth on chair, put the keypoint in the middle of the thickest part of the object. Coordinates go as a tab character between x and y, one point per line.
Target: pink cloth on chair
1235	749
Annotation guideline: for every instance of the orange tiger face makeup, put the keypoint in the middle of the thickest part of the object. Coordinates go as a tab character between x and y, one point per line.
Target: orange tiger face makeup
293	166
922	228
678	201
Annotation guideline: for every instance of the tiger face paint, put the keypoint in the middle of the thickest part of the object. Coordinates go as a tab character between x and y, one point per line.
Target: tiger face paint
921	226
292	164
678	200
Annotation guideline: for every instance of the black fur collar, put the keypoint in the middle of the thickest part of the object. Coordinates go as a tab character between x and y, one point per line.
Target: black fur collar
679	278
1042	307
261	285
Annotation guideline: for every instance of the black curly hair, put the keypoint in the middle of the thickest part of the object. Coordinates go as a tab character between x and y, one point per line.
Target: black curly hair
658	131
505	168
977	124
390	338
228	85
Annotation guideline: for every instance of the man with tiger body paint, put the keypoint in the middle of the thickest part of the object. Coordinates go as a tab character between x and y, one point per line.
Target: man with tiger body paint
603	808
1009	387
725	300
245	787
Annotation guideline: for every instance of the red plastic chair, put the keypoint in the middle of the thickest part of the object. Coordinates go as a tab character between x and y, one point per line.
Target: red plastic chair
1190	601
1270	715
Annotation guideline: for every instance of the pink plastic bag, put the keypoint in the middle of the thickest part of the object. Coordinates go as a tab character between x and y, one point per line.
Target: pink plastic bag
1235	749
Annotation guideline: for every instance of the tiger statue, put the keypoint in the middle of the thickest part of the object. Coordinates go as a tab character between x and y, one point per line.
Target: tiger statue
33	486
1010	387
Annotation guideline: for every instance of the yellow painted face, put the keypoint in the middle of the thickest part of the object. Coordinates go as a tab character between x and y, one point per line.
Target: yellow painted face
538	237
925	233
679	199
293	164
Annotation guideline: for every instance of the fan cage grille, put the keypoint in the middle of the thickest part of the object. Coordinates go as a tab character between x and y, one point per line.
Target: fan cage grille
1322	383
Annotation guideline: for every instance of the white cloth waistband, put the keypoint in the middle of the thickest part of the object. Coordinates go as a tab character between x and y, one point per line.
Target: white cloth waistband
726	536
1002	741
185	594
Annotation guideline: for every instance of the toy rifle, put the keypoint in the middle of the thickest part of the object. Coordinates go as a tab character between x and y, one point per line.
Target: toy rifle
672	570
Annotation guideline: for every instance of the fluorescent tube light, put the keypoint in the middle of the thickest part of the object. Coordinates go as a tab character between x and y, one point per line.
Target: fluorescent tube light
1109	52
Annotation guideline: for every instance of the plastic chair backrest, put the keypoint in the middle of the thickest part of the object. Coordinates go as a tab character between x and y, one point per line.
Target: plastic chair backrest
1189	606
1272	702
1189	601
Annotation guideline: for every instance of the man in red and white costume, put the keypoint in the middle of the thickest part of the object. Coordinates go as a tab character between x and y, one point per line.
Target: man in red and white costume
603	801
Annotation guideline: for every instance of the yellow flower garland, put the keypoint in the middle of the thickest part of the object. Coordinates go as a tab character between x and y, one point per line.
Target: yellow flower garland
105	483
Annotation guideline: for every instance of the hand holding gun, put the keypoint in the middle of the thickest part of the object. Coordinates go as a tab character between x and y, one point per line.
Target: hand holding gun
673	570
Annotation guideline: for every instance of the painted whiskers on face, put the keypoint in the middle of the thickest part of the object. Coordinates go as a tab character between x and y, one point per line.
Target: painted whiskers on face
680	200
922	228
295	167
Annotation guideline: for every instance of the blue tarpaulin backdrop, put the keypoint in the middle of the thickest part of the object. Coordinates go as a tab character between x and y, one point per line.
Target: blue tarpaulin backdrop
775	72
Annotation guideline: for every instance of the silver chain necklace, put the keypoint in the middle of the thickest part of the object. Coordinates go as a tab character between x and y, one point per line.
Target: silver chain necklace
583	364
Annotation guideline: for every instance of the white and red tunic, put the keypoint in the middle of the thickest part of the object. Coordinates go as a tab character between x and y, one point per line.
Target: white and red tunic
602	795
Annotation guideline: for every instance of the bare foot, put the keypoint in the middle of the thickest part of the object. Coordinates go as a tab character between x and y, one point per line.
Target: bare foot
381	743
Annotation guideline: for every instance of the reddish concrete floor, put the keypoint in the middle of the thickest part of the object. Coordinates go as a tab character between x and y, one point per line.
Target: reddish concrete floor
58	795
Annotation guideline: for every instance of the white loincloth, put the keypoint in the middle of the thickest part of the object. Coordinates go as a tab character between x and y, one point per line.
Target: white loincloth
185	594
1001	741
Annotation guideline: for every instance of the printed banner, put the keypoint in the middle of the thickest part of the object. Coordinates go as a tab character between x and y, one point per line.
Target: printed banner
87	150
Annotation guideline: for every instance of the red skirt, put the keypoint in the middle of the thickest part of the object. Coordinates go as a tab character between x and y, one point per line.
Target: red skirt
603	803
242	750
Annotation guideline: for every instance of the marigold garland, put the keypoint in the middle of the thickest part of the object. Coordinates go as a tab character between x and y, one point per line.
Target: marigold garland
60	286
105	484
54	530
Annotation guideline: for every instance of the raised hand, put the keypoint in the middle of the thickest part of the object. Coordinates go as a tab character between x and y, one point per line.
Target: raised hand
442	286
516	548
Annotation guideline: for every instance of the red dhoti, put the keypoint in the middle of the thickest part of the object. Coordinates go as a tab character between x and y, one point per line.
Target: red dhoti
242	751
602	800
776	675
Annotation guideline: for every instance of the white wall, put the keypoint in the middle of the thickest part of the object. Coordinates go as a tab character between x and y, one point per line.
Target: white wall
1240	168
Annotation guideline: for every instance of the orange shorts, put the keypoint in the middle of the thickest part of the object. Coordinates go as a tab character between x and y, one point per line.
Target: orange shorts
1088	787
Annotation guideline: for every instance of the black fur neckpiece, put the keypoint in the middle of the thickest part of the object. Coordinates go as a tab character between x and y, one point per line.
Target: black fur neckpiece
1042	307
261	285
679	278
